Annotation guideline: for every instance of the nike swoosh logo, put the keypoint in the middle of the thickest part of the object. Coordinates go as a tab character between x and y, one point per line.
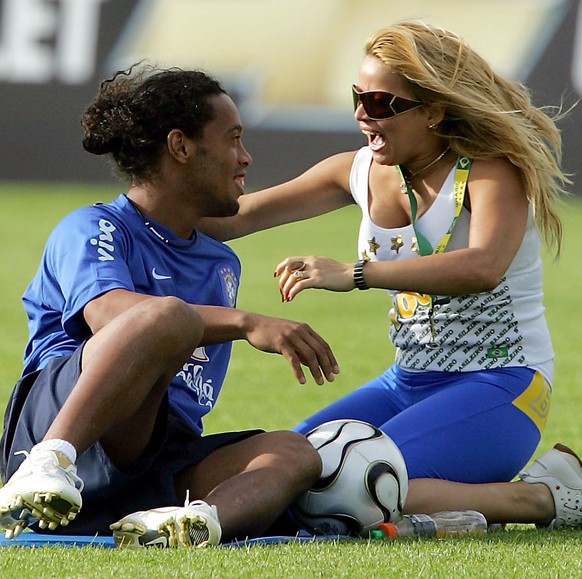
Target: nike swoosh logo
159	275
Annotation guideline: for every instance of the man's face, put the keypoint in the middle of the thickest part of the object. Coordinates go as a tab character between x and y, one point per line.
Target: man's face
219	166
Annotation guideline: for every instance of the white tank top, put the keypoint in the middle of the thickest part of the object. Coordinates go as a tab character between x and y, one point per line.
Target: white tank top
503	327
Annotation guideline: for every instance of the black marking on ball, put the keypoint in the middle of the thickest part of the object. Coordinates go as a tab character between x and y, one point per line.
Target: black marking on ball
325	482
374	473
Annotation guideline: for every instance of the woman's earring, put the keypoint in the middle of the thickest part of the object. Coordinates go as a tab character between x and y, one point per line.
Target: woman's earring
433	126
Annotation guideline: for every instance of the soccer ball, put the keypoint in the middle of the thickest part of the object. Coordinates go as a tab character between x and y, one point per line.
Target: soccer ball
363	484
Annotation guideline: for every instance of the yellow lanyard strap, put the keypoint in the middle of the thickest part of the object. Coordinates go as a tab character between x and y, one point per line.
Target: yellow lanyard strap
462	167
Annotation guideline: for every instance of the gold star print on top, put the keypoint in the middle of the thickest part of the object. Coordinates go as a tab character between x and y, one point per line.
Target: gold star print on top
414	244
373	245
397	243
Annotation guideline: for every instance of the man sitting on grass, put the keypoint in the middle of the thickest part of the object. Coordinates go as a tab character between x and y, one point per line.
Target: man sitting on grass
131	318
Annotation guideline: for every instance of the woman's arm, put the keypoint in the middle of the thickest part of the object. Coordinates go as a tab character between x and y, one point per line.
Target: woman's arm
321	189
498	219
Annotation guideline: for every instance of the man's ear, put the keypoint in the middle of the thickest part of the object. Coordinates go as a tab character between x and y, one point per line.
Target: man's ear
179	146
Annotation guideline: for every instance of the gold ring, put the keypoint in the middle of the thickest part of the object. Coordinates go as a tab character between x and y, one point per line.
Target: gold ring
298	274
296	266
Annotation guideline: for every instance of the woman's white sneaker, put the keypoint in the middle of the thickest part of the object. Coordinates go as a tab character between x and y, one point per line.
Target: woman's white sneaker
560	470
193	525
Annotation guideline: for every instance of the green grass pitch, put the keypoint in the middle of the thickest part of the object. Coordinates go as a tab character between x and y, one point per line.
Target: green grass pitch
261	391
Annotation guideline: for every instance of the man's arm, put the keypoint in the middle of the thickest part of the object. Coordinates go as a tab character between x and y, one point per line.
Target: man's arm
296	341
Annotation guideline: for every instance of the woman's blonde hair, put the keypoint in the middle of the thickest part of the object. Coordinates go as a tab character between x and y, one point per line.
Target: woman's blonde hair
485	115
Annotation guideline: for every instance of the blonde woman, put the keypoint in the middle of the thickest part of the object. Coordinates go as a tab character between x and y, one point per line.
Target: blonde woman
457	184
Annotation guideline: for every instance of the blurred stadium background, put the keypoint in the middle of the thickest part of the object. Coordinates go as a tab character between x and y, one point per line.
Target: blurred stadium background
288	64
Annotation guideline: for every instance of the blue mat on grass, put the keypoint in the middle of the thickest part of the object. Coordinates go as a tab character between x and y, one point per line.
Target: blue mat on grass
30	539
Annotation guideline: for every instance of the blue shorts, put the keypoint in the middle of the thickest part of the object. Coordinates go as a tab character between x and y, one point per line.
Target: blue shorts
472	427
109	493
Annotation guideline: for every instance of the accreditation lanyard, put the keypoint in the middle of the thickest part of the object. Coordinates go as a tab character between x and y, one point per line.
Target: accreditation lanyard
462	167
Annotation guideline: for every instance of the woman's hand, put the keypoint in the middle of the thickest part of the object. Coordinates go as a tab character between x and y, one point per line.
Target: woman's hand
299	273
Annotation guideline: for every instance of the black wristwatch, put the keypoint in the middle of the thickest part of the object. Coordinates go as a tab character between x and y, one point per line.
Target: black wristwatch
359	275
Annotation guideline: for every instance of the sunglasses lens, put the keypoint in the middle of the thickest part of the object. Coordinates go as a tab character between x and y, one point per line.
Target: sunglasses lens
380	105
377	105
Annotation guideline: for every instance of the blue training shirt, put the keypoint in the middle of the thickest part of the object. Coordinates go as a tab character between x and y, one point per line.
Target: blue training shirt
110	246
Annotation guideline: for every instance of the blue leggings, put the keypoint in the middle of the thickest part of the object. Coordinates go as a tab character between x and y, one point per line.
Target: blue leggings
472	427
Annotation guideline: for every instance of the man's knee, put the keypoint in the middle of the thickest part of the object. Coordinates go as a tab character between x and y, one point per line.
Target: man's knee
297	455
170	319
170	311
163	330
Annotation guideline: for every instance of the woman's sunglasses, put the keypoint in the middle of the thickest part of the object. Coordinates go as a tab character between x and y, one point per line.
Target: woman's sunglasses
380	105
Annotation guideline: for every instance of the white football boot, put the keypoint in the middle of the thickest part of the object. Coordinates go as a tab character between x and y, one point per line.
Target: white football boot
560	470
193	525
45	488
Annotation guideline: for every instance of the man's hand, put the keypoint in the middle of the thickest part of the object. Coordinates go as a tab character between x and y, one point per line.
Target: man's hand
297	342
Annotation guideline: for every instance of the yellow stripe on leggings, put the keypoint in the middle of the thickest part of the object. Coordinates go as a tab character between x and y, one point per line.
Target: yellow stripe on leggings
535	401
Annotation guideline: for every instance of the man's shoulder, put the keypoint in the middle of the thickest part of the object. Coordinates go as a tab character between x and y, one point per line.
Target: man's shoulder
116	206
89	214
213	247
